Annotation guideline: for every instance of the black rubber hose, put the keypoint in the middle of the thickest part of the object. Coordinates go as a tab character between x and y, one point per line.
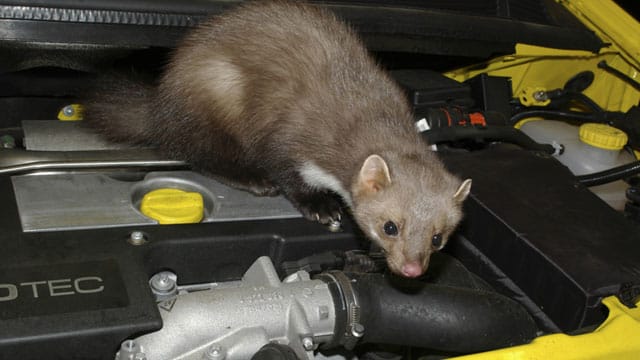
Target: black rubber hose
607	176
555	114
506	134
273	351
438	317
619	74
585	100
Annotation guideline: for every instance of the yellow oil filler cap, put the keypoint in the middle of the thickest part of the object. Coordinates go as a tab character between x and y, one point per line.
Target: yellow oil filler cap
173	206
602	136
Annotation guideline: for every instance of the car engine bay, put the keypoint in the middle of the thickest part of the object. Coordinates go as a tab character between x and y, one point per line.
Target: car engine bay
106	253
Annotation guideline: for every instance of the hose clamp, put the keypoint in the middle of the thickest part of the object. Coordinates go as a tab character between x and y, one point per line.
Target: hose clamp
345	299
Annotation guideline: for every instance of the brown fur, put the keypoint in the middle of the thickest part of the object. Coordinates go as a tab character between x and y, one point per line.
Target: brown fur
258	93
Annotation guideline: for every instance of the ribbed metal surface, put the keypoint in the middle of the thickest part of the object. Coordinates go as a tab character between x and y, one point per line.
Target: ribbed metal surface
97	16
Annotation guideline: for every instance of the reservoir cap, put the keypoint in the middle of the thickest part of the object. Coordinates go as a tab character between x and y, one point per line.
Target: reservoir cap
602	136
173	206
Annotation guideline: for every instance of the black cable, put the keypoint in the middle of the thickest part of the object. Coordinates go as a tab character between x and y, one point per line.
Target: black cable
554	114
585	100
619	74
611	175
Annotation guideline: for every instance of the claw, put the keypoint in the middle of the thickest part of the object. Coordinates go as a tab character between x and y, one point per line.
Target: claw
334	226
320	207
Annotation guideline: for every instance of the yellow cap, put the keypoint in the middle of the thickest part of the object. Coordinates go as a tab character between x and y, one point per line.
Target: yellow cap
602	136
173	206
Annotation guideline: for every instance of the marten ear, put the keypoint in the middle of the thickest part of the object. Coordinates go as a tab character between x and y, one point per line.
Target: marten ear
462	191
374	174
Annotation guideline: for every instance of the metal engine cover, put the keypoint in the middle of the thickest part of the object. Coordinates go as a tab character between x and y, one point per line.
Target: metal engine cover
79	292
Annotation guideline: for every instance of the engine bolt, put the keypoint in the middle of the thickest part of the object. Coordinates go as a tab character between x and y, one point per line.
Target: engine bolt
130	350
357	330
307	343
540	96
130	346
68	110
215	352
162	281
137	238
164	285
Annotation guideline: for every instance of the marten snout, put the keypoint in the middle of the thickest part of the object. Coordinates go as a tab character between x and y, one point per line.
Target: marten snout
412	269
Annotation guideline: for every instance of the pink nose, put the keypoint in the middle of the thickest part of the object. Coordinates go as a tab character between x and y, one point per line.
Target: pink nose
412	269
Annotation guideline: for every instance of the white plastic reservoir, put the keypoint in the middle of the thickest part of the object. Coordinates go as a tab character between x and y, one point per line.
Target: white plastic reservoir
588	148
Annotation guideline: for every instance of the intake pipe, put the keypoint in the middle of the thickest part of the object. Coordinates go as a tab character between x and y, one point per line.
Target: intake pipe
264	318
390	310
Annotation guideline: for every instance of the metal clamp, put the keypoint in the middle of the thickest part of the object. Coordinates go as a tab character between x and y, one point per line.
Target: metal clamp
354	330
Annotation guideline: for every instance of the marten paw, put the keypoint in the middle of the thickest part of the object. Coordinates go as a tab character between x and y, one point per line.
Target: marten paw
322	207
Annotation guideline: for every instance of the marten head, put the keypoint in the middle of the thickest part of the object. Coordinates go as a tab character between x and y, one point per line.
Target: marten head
409	205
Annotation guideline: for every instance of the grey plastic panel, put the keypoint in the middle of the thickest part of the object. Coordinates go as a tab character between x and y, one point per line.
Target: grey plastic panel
54	135
49	202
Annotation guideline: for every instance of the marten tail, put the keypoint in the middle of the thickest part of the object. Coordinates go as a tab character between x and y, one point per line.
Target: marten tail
120	109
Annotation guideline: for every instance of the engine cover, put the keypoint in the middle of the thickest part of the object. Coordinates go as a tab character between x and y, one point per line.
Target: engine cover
533	231
78	292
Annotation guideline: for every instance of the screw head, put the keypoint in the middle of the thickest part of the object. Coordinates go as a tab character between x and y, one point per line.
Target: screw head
215	352
307	343
540	96
68	110
164	281
130	346
130	350
137	238
357	330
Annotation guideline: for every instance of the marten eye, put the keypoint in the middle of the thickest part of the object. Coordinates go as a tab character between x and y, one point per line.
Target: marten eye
390	228
436	241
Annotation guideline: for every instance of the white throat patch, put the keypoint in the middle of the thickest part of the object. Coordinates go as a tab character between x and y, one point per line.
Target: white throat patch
316	177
